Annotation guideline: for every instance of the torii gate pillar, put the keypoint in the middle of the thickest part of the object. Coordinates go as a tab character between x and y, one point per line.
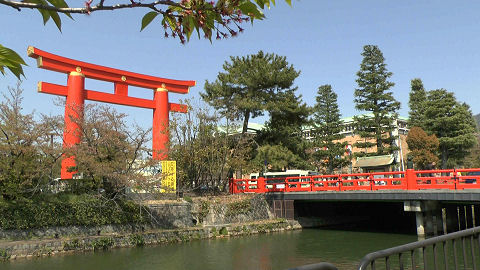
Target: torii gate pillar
77	94
74	106
160	130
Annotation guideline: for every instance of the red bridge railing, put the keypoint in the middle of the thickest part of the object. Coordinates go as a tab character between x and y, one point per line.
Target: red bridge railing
454	179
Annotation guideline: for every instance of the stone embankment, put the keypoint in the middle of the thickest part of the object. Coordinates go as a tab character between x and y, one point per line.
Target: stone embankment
175	221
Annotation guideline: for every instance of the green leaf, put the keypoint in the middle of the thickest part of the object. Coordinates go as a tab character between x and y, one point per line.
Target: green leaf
218	17
248	8
11	60
261	3
197	27
45	13
148	18
11	54
60	4
17	71
210	22
171	22
189	24
56	19
175	9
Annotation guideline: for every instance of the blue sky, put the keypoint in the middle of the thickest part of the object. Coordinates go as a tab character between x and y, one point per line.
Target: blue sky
437	41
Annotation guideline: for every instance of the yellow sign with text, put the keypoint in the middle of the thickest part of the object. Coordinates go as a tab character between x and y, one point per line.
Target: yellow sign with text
169	176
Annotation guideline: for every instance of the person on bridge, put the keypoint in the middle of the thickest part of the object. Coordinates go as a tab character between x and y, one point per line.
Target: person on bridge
431	166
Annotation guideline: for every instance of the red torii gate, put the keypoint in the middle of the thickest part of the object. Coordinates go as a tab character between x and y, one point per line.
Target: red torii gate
76	95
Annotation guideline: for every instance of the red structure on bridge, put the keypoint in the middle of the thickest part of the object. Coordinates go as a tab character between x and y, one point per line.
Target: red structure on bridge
454	179
77	94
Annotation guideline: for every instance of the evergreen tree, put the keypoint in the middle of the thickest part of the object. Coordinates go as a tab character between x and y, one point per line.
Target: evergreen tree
327	124
418	95
250	85
278	158
284	129
477	121
373	96
473	158
453	124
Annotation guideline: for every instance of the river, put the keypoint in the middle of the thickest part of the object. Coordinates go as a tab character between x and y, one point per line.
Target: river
275	251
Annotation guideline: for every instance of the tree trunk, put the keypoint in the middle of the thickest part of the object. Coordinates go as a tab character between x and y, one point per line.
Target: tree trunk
444	157
246	117
379	143
330	167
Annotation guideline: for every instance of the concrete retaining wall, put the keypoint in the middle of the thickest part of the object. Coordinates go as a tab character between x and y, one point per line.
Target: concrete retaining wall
47	247
174	222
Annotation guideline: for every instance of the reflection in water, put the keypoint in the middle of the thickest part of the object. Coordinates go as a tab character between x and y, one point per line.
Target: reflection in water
263	252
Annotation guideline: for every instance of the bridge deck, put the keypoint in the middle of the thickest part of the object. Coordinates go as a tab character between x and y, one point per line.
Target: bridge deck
385	195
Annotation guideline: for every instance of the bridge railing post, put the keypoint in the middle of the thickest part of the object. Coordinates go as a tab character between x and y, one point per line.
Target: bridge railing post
261	185
340	182
371	180
311	183
456	179
234	186
411	178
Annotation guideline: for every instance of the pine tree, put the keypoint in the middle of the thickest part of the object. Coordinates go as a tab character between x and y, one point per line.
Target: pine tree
284	129
453	124
373	96
249	86
329	152
418	95
278	158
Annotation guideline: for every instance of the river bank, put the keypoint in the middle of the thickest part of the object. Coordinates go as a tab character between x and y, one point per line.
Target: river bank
175	221
48	247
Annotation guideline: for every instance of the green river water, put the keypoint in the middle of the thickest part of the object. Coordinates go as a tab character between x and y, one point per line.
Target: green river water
263	252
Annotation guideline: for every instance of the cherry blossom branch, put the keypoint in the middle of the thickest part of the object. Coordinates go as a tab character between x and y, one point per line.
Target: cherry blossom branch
99	7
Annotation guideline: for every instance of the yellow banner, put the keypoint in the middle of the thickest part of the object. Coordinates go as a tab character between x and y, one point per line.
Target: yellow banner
169	176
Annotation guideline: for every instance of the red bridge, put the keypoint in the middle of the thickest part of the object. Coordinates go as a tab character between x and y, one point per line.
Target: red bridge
451	179
433	199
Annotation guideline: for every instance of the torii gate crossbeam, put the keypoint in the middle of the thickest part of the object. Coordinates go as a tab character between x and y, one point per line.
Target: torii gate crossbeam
76	95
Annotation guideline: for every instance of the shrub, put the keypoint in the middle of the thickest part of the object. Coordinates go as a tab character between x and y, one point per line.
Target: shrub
103	243
4	255
237	208
204	209
223	231
71	245
66	210
137	240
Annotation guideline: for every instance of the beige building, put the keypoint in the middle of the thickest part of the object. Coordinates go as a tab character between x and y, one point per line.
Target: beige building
396	161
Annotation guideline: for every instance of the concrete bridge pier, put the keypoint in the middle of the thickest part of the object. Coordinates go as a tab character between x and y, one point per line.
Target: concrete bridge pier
427	216
434	221
420	224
